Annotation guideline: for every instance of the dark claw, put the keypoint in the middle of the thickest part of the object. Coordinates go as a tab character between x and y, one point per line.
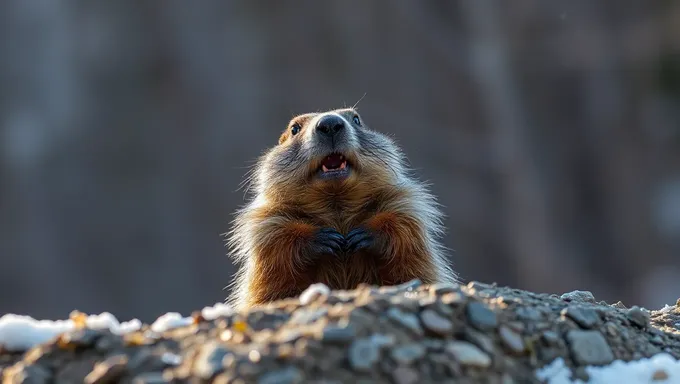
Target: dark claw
328	241
357	240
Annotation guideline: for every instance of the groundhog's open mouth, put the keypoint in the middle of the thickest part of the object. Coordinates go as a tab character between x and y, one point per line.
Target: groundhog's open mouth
334	166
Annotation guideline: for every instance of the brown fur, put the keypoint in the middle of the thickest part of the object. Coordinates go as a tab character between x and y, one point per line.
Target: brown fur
273	233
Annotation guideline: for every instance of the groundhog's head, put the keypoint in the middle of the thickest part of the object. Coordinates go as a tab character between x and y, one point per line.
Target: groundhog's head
329	150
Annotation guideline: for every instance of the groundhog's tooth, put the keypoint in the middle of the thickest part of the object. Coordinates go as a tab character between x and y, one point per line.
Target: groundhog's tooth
323	167
343	165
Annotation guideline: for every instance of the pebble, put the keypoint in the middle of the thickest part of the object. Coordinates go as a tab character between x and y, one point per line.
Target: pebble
529	313
479	339
444	288
150	378
511	339
289	375
408	320
305	316
108	371
208	363
83	337
404	375
382	341
579	296
638	316
480	316
659	375
314	292
550	337
435	323
619	305
407	354
584	317
20	373
453	298
363	354
468	355
589	347
338	334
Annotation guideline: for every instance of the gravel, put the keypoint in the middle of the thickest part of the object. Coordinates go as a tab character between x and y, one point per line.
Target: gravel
410	333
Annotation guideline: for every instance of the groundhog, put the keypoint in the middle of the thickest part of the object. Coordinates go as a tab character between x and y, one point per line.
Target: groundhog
334	203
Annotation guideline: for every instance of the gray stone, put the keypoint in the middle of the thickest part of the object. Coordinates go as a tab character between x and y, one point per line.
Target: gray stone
638	316
83	337
550	337
307	316
619	305
579	296
363	354
382	341
480	316
479	339
404	375
26	374
407	354
443	288
338	334
289	375
589	347
511	340
150	378
407	320
584	317
208	362
108	371
529	313
468	354
436	323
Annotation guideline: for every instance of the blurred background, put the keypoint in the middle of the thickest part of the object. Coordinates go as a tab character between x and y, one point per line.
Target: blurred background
550	131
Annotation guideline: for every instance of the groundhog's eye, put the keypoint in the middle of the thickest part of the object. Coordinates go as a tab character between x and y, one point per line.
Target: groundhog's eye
295	129
356	120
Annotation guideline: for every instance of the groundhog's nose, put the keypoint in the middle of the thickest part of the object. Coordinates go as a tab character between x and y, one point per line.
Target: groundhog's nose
330	125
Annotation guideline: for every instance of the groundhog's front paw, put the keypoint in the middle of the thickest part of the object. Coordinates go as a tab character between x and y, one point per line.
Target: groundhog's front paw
328	241
358	239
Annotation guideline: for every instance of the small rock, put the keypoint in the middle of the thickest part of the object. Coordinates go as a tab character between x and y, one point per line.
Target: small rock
529	313
469	355
453	298
579	296
581	374
108	371
589	347
363	354
409	285
407	320
290	375
382	341
638	317
338	334
619	305
82	337
550	337
407	354
305	316
511	339
659	375
479	339
314	292
443	288
584	317
150	378
25	374
480	316
208	362
404	375
435	323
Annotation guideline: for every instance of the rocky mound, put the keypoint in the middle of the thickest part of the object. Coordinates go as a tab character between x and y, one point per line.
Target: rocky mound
406	334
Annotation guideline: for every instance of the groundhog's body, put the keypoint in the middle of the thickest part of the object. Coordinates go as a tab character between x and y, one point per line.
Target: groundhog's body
334	204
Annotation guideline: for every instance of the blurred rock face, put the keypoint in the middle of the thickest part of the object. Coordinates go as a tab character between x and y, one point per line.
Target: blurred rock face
550	134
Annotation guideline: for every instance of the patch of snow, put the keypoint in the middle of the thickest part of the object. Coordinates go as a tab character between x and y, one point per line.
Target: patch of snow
313	292
659	369
169	321
216	311
666	308
20	333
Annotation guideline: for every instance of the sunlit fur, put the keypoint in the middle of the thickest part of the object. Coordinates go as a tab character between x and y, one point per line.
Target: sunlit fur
271	234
